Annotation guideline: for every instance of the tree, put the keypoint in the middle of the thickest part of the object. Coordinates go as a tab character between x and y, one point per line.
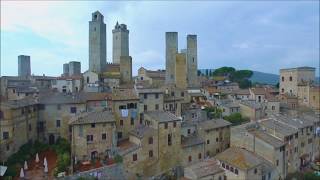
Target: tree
235	118
245	83
224	71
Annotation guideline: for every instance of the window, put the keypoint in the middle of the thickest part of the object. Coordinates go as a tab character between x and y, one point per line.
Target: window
93	125
121	122
134	157
5	135
208	141
296	135
174	124
190	158
8	147
189	131
73	109
59	106
141	117
58	123
217	139
192	59
231	169
169	140
236	171
157	107
30	128
182	94
172	93
217	150
150	153
282	90
310	141
119	135
166	125
89	138
269	175
145	107
255	171
145	96
227	167
104	136
290	78
199	155
273	107
282	78
223	165
150	140
157	95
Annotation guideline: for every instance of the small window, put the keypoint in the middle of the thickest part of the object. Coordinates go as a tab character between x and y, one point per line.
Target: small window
190	158
150	153
157	95
208	141
231	168
223	165
227	167
58	123
121	122
157	107
145	96
93	125
5	135
145	107
182	94
217	139
104	136
189	131
199	156
134	157
166	125
174	124
255	171
172	93
150	140
236	171
290	78
282	78
119	135
89	138
169	140
8	147
73	110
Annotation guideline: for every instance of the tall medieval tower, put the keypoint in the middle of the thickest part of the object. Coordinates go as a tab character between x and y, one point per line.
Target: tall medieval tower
171	51
97	43
120	45
192	61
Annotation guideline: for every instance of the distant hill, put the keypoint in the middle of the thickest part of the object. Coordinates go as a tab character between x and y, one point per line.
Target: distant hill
265	78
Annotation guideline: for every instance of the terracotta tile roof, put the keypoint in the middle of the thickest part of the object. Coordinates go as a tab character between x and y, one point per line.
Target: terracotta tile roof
161	116
93	117
191	141
124	95
207	167
213	124
142	131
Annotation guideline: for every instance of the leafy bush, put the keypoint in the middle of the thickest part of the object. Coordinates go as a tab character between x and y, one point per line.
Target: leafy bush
118	158
235	118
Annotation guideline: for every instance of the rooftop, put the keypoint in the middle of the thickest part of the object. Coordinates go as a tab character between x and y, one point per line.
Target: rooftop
142	131
241	158
161	116
213	124
126	147
93	117
278	127
299	68
124	95
191	141
205	168
251	103
275	142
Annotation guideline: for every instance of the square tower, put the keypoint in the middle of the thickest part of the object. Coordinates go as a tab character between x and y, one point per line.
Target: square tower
120	42
192	61
97	43
171	51
24	69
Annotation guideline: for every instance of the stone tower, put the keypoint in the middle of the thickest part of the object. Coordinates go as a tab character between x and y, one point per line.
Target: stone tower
66	69
125	69
192	61
120	43
74	68
24	68
171	51
97	43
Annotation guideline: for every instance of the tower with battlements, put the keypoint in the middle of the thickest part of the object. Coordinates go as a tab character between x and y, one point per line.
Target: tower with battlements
120	43
97	43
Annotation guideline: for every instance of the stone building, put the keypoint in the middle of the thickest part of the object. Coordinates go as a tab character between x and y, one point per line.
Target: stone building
314	97
181	71
68	84
153	78
192	61
125	69
245	165
192	149
93	135
171	51
216	134
74	68
55	112
24	67
97	43
125	109
120	42
291	77
252	137
18	125
251	109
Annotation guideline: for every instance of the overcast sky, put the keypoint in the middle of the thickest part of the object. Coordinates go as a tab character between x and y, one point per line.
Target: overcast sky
262	36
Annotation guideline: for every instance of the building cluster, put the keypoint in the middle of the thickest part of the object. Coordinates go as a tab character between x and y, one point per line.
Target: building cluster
159	120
